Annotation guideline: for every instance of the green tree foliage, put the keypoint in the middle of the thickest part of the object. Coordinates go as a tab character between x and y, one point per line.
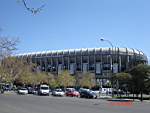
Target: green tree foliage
42	77
87	80
52	80
121	81
65	79
140	78
13	69
10	68
122	78
25	78
4	76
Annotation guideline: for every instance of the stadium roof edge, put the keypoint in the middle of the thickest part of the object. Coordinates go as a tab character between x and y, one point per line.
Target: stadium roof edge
80	49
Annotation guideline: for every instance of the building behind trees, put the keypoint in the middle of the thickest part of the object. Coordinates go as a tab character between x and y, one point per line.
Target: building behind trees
103	62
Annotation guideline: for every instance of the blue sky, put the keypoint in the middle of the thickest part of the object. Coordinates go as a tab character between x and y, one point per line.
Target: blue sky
64	24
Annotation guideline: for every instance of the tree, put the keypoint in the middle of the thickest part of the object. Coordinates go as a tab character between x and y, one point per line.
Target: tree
10	69
4	76
26	78
140	76
122	80
87	80
7	46
52	80
65	79
16	70
31	9
41	78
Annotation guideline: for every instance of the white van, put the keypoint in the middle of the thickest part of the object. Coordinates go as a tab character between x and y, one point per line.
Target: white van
43	90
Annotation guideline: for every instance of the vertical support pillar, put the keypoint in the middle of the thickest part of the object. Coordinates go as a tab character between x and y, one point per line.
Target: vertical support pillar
75	61
69	62
88	63
40	63
127	59
62	58
95	62
57	63
45	64
51	63
81	62
119	63
111	59
101	56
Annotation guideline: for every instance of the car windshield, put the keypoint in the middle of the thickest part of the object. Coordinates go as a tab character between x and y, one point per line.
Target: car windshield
45	88
58	90
23	89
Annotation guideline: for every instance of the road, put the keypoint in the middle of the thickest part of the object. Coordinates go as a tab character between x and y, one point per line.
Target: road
48	104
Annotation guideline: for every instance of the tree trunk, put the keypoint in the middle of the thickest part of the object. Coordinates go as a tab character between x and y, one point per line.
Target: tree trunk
141	95
133	93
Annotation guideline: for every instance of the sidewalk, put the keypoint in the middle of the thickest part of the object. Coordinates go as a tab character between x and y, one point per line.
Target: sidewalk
9	93
103	96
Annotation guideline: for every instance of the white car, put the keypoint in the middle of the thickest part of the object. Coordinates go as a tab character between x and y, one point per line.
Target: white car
23	91
43	90
58	92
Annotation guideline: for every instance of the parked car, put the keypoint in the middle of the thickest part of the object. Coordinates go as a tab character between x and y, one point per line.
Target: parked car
22	91
73	93
70	89
30	90
83	89
1	88
87	94
43	90
58	92
35	91
50	91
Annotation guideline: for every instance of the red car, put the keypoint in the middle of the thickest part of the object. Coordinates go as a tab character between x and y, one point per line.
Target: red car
73	93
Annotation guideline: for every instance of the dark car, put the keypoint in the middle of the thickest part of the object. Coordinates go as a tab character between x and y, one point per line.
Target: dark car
30	90
87	94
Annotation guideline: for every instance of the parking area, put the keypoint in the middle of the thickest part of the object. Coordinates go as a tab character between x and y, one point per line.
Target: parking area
11	102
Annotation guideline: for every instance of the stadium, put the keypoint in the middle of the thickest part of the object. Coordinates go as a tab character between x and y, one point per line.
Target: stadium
103	62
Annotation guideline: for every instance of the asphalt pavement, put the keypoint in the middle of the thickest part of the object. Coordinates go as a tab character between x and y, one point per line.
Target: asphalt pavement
14	103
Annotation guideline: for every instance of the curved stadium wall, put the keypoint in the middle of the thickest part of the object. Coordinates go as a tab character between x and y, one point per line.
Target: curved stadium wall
101	61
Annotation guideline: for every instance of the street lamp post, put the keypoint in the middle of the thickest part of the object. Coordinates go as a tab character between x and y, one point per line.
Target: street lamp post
109	42
102	39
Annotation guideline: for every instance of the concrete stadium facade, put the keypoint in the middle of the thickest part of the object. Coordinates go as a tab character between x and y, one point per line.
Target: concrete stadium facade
100	61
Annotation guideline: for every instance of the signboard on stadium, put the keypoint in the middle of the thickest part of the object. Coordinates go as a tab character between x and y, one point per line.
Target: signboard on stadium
72	68
99	68
115	68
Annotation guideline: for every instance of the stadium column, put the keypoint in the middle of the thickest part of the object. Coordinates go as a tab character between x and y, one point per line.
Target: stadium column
111	59
95	64
68	61
75	61
101	61
62	58
119	61
41	67
88	61
81	62
45	61
57	63
127	59
35	59
51	62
